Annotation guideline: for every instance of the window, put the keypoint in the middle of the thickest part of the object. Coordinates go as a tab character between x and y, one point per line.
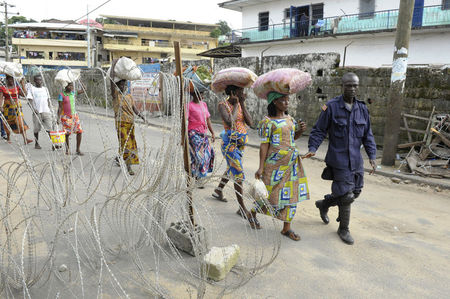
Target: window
71	56
287	13
146	42
317	13
366	9
35	55
263	21
445	4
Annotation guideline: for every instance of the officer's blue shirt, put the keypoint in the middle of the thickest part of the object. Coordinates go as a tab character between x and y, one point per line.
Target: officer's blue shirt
347	130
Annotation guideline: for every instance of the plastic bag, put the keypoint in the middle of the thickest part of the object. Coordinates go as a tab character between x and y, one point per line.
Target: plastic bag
237	76
259	191
125	69
199	84
285	81
66	76
11	69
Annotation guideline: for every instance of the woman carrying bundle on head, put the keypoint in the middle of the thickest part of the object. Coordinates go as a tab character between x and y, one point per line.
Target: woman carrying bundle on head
280	166
124	112
235	119
12	108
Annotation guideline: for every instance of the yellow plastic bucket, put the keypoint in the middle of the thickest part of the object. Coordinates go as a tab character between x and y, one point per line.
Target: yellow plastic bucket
58	137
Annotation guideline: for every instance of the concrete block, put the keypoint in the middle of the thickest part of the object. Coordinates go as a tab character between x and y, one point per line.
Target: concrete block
220	260
188	238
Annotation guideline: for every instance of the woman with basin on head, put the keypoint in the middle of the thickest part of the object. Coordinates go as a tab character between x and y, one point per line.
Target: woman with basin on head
124	112
235	119
280	166
12	108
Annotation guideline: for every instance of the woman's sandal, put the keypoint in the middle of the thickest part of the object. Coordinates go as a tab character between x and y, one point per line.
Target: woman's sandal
254	223
291	235
219	197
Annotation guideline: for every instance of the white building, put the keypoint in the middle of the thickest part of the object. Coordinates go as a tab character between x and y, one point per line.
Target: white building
362	31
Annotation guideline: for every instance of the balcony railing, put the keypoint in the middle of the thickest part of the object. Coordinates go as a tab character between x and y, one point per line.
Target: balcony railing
169	44
357	23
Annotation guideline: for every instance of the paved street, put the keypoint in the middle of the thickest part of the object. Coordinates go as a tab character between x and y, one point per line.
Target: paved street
401	231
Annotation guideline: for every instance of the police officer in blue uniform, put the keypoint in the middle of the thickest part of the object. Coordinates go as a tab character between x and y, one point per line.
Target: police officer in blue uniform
347	122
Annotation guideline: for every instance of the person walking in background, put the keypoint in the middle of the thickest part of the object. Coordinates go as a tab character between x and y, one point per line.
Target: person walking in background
346	120
201	152
38	96
12	108
124	112
69	116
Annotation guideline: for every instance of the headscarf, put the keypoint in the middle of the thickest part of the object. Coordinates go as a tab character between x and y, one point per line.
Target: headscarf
273	95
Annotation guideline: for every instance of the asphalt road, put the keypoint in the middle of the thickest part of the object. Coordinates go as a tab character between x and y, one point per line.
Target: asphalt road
401	232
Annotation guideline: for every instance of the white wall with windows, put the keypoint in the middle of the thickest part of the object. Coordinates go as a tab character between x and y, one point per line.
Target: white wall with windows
331	8
364	50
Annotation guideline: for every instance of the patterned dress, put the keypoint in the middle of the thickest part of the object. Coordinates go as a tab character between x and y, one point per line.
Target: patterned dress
12	109
234	141
124	116
201	152
69	116
283	174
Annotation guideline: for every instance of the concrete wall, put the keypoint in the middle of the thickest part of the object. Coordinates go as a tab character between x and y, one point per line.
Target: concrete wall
425	88
365	50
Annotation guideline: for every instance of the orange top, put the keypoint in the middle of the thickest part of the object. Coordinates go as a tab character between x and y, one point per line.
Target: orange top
239	125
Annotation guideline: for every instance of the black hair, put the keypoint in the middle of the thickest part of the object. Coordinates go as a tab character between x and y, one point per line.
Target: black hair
272	109
36	76
230	88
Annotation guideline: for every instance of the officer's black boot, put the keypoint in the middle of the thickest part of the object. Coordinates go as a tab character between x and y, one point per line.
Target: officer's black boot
323	206
344	220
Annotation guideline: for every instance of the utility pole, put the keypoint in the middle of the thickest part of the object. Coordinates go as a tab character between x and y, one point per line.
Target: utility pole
398	78
88	40
5	4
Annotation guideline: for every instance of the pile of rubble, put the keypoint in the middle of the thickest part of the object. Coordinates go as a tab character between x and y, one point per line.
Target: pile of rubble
433	157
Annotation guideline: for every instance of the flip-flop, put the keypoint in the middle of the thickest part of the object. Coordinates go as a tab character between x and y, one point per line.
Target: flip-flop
219	197
291	235
79	153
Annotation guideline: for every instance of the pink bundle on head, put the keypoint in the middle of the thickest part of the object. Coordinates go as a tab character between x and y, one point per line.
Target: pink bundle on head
237	76
285	81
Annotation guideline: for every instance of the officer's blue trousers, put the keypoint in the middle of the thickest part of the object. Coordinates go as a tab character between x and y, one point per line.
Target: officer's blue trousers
345	180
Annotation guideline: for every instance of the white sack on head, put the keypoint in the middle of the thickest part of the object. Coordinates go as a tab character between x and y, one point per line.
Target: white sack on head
237	76
125	69
66	76
12	69
285	81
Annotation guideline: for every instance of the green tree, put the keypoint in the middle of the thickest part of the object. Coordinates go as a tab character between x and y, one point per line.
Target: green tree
223	29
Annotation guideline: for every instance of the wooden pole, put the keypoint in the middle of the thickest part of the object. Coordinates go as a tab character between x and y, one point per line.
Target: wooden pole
398	78
184	140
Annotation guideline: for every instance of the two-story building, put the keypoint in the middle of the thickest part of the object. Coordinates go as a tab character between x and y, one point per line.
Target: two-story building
362	31
58	45
151	40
